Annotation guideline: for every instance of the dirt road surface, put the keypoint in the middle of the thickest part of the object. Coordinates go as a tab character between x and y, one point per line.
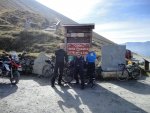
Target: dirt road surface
35	95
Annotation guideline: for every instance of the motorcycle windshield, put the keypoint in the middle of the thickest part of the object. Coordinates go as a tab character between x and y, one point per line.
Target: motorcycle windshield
14	56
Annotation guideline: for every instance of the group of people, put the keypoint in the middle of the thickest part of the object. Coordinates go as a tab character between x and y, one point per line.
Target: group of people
78	63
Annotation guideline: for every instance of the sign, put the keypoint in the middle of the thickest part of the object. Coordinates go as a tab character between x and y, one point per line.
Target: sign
75	48
79	37
75	34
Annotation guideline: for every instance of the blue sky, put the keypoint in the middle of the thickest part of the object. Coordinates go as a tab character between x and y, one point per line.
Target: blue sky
118	20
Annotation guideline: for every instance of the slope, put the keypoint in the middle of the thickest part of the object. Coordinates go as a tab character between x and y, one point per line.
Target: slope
14	14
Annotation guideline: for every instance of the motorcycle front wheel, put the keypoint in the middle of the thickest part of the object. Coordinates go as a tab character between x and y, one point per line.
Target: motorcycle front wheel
15	79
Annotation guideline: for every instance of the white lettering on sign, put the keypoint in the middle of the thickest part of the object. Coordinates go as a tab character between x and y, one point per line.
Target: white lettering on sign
68	35
76	35
72	48
80	34
73	34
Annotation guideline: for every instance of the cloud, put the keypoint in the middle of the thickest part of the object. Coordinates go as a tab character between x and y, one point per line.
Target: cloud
116	10
125	31
117	20
125	25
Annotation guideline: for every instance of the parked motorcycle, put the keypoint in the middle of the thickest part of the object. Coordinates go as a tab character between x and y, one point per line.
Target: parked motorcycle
10	69
27	63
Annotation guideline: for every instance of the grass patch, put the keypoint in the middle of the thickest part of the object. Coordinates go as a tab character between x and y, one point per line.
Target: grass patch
31	41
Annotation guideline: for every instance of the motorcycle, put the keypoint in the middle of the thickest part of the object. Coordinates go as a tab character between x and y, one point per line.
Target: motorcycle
27	63
10	68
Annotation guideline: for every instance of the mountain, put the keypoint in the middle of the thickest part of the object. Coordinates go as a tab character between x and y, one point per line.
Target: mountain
33	7
14	18
141	48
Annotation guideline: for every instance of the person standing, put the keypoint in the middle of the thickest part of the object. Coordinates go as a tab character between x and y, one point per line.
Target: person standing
61	58
90	60
79	68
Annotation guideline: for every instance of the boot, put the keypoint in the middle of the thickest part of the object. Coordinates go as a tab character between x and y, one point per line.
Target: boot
59	83
52	82
82	85
77	82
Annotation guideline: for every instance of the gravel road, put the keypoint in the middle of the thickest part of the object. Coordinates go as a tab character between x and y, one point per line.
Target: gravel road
35	95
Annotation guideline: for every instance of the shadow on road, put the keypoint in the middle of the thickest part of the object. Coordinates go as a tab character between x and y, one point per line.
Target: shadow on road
69	100
40	80
134	86
7	89
131	85
98	100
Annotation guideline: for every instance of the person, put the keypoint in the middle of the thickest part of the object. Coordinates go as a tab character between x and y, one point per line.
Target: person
90	60
61	57
79	68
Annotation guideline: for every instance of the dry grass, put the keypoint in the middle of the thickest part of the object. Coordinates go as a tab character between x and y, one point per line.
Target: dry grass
31	41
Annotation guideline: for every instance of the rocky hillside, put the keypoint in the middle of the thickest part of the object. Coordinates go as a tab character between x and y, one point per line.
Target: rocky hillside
15	32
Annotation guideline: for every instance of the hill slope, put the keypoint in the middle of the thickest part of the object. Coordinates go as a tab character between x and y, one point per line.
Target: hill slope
33	7
13	18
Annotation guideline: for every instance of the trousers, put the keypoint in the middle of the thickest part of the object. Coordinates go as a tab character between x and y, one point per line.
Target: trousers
79	71
58	67
91	70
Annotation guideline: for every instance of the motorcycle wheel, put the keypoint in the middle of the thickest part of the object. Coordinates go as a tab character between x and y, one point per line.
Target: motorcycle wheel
136	73
15	79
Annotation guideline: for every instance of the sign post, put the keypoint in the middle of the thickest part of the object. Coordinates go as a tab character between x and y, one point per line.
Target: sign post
78	38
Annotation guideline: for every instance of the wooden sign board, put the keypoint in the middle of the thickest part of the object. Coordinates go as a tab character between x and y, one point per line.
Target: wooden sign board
75	48
78	38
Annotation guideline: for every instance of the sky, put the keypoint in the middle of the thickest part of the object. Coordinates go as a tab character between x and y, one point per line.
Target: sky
117	20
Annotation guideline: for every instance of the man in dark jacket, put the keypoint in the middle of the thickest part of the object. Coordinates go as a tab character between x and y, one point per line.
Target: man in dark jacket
79	67
61	56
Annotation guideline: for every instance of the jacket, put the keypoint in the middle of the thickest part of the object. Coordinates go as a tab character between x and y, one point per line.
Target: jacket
91	57
79	62
61	55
